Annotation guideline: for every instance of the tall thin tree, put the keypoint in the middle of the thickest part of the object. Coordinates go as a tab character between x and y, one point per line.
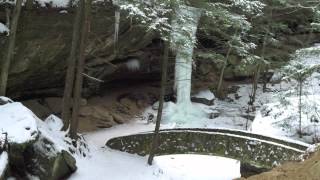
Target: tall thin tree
5	65
156	136
80	66
71	68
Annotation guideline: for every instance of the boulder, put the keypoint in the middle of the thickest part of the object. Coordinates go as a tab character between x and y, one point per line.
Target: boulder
41	110
86	111
4	100
204	97
208	102
45	161
118	118
101	113
54	104
34	149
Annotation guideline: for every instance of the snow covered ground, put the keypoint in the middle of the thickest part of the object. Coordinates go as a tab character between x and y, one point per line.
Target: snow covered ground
103	161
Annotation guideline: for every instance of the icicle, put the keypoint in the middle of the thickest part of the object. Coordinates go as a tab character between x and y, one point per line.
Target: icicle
116	29
116	3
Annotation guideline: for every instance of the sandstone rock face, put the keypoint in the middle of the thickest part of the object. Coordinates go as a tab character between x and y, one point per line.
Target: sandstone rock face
44	37
32	149
308	169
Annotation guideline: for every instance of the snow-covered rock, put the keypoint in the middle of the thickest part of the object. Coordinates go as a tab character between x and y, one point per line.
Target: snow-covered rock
4	100
37	147
204	97
19	122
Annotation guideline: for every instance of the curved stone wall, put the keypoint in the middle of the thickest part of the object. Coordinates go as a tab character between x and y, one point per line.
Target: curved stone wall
257	150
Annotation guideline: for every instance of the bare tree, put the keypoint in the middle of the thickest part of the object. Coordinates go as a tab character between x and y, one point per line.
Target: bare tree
155	141
80	66
5	66
225	63
71	68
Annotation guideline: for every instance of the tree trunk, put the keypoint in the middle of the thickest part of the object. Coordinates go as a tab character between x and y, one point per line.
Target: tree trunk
8	13
155	141
300	108
86	9
255	85
257	75
219	88
70	76
265	80
5	65
29	4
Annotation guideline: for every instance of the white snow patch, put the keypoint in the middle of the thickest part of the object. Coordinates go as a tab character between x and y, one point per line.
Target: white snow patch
207	94
3	162
133	65
63	12
19	122
191	167
3	28
5	99
54	3
51	130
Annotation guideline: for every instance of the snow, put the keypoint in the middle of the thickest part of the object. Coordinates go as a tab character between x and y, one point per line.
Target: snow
280	117
50	129
191	167
270	119
54	3
3	162
207	94
124	166
133	65
19	122
44	3
3	28
5	99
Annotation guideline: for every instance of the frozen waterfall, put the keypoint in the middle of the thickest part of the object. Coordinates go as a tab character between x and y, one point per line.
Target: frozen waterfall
183	36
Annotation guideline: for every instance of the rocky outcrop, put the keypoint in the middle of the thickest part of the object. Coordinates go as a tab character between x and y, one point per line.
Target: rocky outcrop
44	40
43	160
31	148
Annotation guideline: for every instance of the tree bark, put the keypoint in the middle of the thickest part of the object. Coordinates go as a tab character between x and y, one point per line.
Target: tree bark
29	4
80	66
300	108
219	88
71	65
255	84
257	75
155	141
8	13
5	65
